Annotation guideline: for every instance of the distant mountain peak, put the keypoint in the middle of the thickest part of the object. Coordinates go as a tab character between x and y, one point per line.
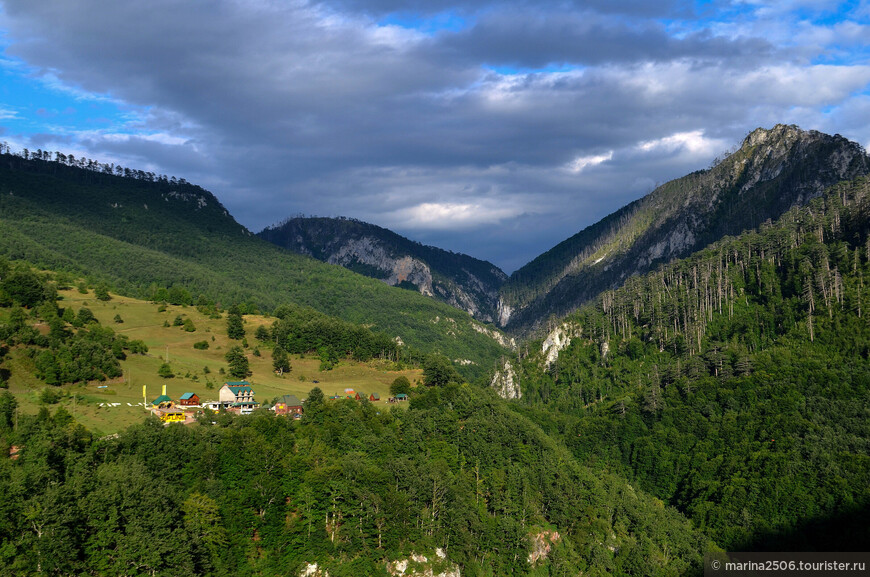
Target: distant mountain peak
459	280
772	170
779	132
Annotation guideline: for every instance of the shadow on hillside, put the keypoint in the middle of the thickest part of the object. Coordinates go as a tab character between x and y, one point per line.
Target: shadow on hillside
844	532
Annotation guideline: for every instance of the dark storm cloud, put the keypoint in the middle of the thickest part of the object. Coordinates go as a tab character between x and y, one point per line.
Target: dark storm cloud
530	39
640	8
327	108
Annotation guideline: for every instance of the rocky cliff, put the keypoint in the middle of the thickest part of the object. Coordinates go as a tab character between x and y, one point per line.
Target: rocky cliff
456	279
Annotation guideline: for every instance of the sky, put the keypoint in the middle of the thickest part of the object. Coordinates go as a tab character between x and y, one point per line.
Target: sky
493	128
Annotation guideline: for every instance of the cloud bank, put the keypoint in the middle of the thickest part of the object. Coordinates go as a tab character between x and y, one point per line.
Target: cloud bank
492	128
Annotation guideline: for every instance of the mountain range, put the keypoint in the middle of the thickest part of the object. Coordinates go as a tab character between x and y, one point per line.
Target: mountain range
689	375
770	172
138	233
732	384
180	234
457	279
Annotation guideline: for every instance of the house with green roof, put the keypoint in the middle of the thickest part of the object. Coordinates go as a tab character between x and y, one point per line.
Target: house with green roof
162	401
288	405
238	396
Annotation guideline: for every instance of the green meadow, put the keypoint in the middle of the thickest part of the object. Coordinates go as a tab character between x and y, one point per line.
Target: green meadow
110	406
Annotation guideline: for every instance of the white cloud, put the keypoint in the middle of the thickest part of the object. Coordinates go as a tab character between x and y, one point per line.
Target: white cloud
157	137
791	85
582	162
450	216
693	142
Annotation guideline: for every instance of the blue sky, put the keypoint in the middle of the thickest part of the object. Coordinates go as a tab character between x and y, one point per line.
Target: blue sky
492	128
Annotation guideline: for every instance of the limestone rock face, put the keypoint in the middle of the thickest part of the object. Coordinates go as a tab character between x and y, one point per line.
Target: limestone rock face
416	565
504	312
505	382
312	570
421	566
542	543
500	338
459	280
557	340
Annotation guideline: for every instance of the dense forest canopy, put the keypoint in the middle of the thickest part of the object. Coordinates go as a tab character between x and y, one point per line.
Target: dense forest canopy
351	487
734	384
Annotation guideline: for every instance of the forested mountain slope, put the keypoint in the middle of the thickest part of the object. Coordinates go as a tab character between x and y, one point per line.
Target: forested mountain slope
734	384
456	279
355	487
772	171
139	233
349	487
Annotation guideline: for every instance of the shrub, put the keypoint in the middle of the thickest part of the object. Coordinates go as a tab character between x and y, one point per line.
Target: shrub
102	293
50	396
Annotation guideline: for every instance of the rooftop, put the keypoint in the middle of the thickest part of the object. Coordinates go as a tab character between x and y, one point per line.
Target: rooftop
290	401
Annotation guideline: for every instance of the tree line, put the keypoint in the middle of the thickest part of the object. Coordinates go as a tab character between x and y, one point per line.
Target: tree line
89	164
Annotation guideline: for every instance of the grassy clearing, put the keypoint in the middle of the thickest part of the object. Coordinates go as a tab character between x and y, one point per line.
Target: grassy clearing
196	371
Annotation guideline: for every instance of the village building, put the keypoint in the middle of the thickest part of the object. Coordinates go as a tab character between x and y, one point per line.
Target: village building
374	397
189	400
162	402
238	396
170	415
288	405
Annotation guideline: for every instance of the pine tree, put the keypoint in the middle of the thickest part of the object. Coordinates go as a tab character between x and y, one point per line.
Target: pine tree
238	363
235	328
